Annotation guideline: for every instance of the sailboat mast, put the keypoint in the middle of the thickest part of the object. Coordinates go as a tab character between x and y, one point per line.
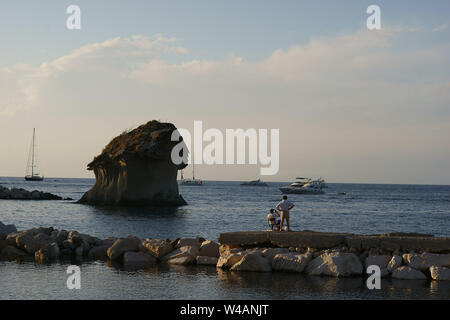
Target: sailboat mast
32	157
193	160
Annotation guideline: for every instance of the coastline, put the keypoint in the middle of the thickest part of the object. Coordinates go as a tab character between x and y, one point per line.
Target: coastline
398	255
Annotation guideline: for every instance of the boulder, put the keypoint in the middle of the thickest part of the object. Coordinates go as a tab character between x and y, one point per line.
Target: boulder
12	253
252	262
32	243
22	194
67	244
394	263
3	244
89	239
335	264
66	252
79	252
61	236
157	248
85	248
98	253
440	273
184	255
408	273
48	253
291	262
230	257
138	260
11	238
105	242
270	253
258	251
75	241
381	261
136	168
204	260
209	249
5	230
426	260
188	242
123	245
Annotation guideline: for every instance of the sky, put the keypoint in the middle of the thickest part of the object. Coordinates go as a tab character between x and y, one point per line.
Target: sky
352	104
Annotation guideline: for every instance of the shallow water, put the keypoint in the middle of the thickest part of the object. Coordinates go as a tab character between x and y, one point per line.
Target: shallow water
100	281
220	207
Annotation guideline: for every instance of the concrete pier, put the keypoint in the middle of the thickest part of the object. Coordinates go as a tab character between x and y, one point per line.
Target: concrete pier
323	240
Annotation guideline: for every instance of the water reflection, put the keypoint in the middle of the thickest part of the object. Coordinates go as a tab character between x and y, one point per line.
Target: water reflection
143	211
106	280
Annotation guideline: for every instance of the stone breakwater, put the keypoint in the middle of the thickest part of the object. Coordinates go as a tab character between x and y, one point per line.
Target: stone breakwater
22	194
401	256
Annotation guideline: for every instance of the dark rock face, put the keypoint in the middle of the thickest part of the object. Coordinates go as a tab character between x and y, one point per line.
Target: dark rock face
22	194
135	168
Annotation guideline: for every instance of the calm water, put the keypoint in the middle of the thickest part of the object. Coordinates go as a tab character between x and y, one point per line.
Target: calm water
220	207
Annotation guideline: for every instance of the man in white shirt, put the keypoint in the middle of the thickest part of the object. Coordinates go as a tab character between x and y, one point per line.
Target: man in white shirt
284	206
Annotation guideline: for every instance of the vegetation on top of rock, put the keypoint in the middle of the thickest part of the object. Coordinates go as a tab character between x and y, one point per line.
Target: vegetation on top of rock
151	140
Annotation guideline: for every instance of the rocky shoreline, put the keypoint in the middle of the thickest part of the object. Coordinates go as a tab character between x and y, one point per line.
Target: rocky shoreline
243	252
22	194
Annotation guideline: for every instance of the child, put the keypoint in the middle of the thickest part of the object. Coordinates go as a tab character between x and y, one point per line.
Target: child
273	218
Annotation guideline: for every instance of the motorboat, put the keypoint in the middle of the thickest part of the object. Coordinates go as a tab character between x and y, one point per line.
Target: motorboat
305	186
257	183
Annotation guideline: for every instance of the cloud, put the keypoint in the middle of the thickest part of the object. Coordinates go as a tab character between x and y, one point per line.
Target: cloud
21	85
356	75
442	27
340	100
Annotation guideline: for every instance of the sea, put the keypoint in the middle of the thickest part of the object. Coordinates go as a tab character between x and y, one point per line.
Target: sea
213	208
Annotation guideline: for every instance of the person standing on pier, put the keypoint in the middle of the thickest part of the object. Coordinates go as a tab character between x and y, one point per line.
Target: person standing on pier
284	206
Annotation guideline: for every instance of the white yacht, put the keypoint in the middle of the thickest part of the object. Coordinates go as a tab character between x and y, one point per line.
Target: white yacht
305	186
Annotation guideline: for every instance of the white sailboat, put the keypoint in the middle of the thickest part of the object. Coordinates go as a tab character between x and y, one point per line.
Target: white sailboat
193	181
33	175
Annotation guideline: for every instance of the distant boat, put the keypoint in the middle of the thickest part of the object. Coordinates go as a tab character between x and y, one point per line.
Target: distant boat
305	186
193	181
258	183
34	176
190	182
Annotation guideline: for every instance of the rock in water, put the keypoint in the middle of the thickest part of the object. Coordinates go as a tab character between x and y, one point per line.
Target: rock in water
138	260
136	168
252	262
336	264
291	262
157	248
123	245
440	273
408	273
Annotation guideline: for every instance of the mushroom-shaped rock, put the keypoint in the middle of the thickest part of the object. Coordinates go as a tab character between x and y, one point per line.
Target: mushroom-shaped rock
136	168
